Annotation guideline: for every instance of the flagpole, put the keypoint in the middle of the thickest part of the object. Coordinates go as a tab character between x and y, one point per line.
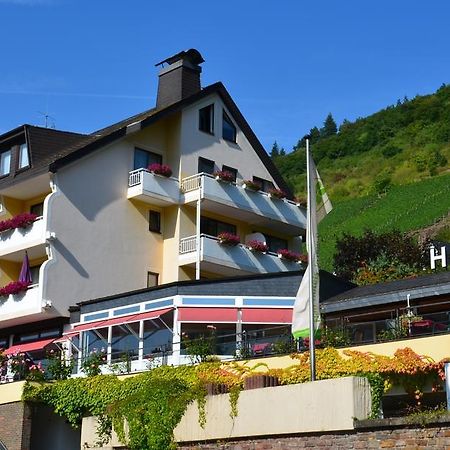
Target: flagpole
312	347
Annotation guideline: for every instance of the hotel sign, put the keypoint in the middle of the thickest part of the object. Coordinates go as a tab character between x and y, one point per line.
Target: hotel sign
440	257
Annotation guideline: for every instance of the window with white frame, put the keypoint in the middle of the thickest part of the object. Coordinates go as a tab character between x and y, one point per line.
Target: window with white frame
5	162
24	159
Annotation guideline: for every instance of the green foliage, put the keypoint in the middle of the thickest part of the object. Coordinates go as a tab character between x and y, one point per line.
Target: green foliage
382	183
275	150
201	348
58	367
329	127
379	253
91	364
376	383
413	138
405	208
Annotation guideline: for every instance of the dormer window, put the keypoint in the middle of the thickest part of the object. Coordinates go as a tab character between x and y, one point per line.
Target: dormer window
228	128
206	119
5	162
24	159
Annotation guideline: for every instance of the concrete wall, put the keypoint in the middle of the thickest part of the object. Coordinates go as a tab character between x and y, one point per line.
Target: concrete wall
308	407
103	245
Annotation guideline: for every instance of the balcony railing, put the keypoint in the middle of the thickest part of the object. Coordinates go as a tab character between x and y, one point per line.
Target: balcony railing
217	256
191	183
250	206
18	239
155	189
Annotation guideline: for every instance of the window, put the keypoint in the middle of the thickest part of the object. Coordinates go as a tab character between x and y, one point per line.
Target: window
24	160
228	128
266	185
205	165
5	163
214	227
154	221
275	243
152	279
37	209
231	170
206	119
143	158
35	274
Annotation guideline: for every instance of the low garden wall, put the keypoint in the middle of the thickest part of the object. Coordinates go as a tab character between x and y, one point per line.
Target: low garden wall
378	434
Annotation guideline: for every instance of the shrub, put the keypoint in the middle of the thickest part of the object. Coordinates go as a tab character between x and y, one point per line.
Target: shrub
91	364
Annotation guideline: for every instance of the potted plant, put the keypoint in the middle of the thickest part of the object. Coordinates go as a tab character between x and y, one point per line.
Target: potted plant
286	254
276	193
22	220
15	287
251	185
229	239
224	175
301	201
160	169
257	246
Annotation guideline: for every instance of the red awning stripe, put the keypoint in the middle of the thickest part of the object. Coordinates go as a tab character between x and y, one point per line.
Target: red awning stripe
266	315
207	314
28	347
148	315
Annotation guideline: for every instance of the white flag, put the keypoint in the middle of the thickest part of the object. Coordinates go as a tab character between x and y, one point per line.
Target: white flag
300	319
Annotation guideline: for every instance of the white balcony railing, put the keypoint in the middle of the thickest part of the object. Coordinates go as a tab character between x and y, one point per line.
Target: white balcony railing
152	188
19	239
191	183
254	207
214	256
188	245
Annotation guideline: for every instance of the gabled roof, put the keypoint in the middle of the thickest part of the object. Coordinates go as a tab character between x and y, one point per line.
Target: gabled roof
45	146
114	132
423	286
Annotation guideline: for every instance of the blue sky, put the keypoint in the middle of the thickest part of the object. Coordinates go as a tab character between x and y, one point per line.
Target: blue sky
286	63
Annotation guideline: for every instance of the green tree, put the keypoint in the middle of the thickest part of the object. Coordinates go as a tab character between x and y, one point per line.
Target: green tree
355	252
329	127
275	150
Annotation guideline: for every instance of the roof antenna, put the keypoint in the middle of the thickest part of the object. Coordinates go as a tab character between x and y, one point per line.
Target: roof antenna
49	120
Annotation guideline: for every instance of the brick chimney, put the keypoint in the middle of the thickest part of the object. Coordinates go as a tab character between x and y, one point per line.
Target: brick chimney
180	78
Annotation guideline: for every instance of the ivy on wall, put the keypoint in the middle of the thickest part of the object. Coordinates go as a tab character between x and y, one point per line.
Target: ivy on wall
145	409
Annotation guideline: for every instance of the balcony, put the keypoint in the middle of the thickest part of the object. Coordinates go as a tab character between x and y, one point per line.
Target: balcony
226	260
153	189
31	238
20	308
255	208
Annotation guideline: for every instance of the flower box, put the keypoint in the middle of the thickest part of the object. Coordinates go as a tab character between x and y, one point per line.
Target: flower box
228	239
22	220
277	193
223	175
300	201
160	169
251	185
290	256
15	287
257	246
